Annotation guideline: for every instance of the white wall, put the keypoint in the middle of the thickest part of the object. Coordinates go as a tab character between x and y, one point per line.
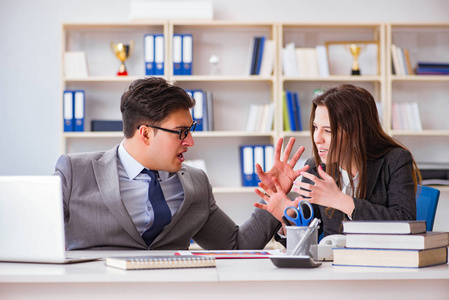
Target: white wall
30	57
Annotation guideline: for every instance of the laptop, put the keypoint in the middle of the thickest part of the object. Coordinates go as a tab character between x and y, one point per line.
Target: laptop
32	221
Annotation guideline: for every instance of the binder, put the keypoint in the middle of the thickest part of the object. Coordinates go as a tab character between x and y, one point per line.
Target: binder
290	110
159	54
285	112
198	109
187	54
78	110
247	165
256	44
68	111
258	159
177	54
260	50
297	109
268	157
148	42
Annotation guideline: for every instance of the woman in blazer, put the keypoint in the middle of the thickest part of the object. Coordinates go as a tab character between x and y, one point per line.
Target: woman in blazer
358	172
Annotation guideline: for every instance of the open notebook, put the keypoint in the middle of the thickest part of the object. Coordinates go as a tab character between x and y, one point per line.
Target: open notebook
31	220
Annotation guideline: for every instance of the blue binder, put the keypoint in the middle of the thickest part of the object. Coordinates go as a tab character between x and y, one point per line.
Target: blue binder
198	110
68	111
187	54
259	54
290	110
247	164
177	54
297	108
259	158
159	57
148	42
78	110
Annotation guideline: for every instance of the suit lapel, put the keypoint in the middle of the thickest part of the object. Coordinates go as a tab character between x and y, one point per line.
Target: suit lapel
106	174
373	170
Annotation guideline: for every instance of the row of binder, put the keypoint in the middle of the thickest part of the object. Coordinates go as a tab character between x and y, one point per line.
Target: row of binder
202	112
154	54
182	54
73	110
250	155
154	47
291	111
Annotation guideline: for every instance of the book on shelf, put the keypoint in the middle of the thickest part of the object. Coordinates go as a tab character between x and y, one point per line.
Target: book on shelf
161	262
405	116
384	227
289	64
293	111
402	258
432	68
75	64
260	117
106	125
232	254
419	241
256	54
268	57
307	60
187	54
408	62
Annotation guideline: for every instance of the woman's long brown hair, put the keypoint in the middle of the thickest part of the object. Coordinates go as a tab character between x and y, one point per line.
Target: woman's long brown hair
356	133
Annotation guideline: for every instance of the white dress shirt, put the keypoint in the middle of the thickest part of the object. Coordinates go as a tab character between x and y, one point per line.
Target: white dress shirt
134	190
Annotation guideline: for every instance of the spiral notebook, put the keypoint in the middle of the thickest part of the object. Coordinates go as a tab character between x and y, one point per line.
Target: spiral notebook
160	262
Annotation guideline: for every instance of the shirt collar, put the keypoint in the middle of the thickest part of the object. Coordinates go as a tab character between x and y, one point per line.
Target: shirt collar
132	166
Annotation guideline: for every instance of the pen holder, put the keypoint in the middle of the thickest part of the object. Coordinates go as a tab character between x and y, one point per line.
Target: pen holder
295	234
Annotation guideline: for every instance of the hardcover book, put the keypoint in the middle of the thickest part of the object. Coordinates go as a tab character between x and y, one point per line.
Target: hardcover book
384	227
401	258
428	240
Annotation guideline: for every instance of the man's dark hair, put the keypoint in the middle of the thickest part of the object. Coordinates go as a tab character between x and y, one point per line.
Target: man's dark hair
149	101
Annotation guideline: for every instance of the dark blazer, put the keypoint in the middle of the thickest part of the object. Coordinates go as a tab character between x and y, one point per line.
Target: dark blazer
390	193
96	218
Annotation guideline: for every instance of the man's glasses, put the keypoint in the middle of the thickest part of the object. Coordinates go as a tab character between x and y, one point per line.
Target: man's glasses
182	133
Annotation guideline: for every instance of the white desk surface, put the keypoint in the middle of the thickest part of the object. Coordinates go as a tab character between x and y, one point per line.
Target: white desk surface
254	278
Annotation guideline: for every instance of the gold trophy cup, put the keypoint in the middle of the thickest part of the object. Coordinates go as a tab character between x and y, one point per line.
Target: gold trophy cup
355	51
123	52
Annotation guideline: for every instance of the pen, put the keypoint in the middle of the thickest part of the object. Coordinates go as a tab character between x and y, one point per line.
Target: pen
285	221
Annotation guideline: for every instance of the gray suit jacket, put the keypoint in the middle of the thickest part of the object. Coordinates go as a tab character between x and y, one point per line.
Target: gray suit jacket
390	192
96	218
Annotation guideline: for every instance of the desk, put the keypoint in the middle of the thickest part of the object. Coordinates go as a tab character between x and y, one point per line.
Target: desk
232	279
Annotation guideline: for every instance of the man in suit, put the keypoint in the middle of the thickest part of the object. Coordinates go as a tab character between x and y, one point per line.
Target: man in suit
108	195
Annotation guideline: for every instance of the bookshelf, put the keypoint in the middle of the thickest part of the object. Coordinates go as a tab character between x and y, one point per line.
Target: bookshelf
425	42
311	35
234	90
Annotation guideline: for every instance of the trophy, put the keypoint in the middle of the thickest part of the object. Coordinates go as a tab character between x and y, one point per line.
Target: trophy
123	52
355	51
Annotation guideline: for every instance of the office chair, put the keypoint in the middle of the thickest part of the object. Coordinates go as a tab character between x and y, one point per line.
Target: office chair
426	205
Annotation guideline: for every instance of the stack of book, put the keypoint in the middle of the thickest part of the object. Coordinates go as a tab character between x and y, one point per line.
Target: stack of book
403	244
427	68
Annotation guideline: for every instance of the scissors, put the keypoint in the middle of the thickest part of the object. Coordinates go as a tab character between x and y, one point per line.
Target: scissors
303	214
